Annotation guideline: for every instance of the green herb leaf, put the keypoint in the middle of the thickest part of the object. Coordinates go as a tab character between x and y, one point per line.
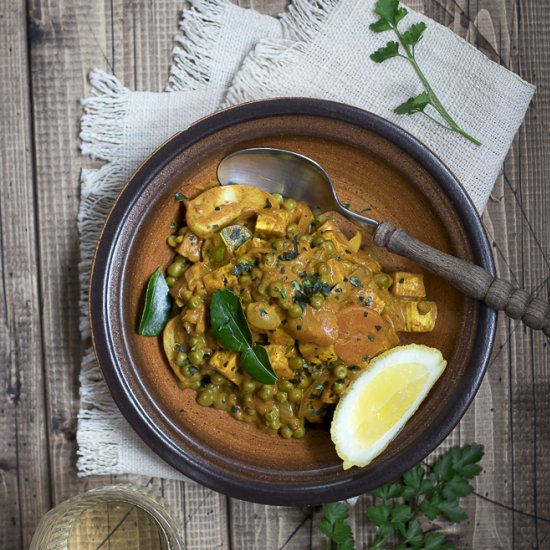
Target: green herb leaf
391	49
443	469
256	362
229	323
387	9
336	511
413	534
414	33
157	307
413	105
390	490
452	511
433	541
430	510
401	513
379	514
455	488
380	26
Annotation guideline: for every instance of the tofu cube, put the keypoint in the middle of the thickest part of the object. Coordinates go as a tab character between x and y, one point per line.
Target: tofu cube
419	316
272	223
408	285
317	354
190	247
220	278
279	362
225	362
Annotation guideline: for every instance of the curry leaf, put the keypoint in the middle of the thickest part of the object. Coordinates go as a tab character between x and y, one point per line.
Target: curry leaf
255	361
231	329
157	307
228	321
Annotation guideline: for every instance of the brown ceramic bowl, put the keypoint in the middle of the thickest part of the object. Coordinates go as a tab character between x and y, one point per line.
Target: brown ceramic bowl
374	165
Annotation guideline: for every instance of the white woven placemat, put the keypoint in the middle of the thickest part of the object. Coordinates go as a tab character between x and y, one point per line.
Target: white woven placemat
226	55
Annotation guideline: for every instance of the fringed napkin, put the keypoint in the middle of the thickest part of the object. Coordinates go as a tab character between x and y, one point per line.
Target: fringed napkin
227	55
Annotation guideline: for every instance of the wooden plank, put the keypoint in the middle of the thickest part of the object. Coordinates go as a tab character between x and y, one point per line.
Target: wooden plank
66	38
24	476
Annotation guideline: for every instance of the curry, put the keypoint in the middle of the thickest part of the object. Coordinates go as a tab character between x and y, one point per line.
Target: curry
313	296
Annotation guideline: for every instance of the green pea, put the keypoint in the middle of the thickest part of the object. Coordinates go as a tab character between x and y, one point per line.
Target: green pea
219	254
295	311
295	395
285	432
270	260
317	241
289	204
340	371
329	247
275	425
171	241
249	386
256	274
170	281
176	269
181	358
189	371
285	385
248	399
197	342
220	401
278	245
196	357
292	230
322	268
281	396
296	363
278	197
250	411
338	387
179	239
299	433
232	399
205	398
218	379
306	238
295	423
317	301
237	413
186	295
272	415
266	392
383	280
194	302
245	279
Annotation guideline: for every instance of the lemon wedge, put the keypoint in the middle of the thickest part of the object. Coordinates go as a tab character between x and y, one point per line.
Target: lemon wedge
381	400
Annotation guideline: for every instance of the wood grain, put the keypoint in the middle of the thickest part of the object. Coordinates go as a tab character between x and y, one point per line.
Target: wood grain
43	76
24	476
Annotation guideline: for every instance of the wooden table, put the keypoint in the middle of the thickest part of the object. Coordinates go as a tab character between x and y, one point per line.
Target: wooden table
47	48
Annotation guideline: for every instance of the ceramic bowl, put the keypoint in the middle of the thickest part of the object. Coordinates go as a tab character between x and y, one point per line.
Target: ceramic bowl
375	165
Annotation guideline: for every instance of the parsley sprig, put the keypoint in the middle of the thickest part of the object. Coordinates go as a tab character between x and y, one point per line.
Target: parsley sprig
421	494
391	13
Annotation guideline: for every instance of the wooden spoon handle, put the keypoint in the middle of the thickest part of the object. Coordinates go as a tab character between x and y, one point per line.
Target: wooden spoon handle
470	279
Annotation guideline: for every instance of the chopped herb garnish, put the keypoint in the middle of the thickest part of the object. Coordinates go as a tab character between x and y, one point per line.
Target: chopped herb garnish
355	282
173	225
180	197
372	337
345	204
288	255
377	327
366	209
366	357
267	204
217	208
401	281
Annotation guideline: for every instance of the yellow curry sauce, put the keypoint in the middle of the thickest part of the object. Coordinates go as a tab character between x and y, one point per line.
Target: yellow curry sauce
318	301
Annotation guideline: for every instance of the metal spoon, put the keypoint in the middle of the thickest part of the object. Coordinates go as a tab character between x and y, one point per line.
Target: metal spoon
299	177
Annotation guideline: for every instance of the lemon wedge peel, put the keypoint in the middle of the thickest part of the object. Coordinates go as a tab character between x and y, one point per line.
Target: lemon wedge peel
381	401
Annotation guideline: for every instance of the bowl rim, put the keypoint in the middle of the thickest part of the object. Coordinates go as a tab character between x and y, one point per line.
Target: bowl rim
256	490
